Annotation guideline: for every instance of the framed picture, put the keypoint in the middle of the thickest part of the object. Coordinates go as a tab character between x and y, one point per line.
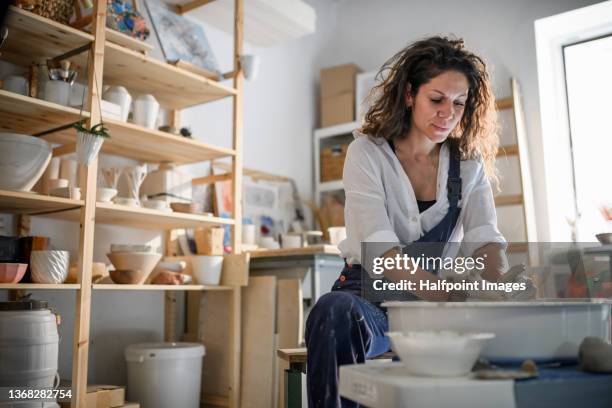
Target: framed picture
181	39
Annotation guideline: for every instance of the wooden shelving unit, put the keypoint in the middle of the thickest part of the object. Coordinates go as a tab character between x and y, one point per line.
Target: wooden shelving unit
34	39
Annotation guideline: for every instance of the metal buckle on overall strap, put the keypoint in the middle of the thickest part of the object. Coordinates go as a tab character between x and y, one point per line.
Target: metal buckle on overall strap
454	188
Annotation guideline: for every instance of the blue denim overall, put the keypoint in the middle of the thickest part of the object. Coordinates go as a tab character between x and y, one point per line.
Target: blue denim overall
343	328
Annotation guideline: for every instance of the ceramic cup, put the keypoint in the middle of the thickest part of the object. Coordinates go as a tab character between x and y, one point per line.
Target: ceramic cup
17	84
336	235
268	242
248	234
69	170
146	109
120	96
58	92
291	241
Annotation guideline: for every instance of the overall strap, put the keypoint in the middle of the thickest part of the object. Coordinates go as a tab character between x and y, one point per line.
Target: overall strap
454	177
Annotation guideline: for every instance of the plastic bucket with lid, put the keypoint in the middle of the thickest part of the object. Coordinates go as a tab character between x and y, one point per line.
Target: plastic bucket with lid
29	344
161	375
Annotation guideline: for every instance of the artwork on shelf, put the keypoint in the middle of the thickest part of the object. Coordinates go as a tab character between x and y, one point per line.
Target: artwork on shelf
123	16
181	39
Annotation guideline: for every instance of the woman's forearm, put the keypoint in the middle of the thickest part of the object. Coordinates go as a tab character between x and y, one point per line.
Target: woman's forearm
495	260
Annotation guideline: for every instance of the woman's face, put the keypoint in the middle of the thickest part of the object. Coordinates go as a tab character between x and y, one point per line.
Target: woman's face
438	105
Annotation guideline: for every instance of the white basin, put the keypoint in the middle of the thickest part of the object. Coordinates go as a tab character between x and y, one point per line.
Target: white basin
23	160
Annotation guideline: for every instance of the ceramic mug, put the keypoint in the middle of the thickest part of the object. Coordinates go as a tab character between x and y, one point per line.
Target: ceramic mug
16	84
58	92
146	109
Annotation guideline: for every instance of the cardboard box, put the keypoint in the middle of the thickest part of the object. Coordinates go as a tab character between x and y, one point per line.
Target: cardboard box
338	109
338	94
209	241
338	80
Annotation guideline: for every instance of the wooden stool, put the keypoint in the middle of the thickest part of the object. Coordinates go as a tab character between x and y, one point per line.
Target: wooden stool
297	366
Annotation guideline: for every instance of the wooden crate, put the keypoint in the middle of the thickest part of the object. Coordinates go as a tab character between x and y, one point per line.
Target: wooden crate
332	162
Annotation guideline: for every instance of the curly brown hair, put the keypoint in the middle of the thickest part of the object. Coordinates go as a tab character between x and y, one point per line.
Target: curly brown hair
476	135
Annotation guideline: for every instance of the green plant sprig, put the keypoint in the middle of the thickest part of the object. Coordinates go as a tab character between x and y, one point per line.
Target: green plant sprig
97	130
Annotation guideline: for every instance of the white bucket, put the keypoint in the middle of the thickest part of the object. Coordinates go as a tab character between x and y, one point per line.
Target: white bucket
29	344
162	375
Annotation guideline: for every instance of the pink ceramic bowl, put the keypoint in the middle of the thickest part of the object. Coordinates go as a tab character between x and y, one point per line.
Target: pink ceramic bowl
12	272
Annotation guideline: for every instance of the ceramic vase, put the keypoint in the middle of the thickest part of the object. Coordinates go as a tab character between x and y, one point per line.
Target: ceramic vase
120	96
134	177
146	109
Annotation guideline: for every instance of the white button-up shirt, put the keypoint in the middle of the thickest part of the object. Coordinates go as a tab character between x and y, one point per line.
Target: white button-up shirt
381	205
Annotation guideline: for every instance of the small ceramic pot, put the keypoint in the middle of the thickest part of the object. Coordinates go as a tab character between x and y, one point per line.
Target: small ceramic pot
49	266
58	92
120	96
87	148
146	109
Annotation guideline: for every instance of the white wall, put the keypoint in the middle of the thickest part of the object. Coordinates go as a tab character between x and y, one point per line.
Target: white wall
280	112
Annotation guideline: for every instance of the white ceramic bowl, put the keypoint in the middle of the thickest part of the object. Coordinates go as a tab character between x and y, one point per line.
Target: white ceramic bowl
438	353
538	330
105	194
131	248
135	261
49	266
160	205
23	160
291	241
207	269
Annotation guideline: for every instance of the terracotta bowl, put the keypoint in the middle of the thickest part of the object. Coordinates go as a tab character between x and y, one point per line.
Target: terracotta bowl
135	261
191	208
12	272
128	276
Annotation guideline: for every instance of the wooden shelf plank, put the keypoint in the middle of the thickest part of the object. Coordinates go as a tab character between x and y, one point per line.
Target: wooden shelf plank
149	145
28	286
504	103
509	200
174	88
34	38
23	114
33	203
112	286
310	250
508	150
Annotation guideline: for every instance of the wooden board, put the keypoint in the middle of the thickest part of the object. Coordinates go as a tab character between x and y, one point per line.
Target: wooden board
315	249
235	269
289	325
127	41
32	203
149	145
112	286
194	69
214	317
258	341
27	115
28	286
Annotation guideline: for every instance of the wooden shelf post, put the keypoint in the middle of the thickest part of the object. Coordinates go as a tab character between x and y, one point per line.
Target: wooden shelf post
80	349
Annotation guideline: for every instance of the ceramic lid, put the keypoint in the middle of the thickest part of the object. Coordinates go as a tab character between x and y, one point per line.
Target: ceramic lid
23	305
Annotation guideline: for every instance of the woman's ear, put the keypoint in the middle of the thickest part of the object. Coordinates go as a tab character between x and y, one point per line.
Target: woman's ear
408	96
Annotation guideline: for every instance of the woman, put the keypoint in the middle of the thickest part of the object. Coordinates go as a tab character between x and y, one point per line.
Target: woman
419	170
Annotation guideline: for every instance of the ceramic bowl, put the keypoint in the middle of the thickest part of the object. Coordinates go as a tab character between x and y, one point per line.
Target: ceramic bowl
160	205
438	353
73	193
128	276
190	208
291	241
605	238
49	266
130	202
131	248
12	272
24	160
105	194
207	269
135	261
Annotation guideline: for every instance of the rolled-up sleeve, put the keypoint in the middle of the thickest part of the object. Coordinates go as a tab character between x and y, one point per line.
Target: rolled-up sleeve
365	211
480	218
